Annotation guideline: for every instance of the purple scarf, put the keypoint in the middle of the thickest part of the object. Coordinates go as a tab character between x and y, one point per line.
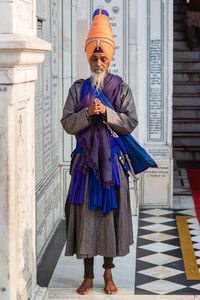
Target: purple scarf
95	140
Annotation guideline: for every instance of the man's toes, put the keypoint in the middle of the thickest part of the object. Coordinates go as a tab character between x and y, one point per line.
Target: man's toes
85	292
114	290
110	291
82	291
107	290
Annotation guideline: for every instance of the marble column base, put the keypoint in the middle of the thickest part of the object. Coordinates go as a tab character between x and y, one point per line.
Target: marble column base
40	293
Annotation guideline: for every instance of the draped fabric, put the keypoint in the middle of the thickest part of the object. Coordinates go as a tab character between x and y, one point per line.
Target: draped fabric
95	139
97	156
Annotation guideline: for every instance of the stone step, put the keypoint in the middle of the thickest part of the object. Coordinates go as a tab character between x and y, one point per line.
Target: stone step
179	26
191	148
187	60
70	294
95	293
184	154
192	77
186	71
186	127
182	95
185	144
186	92
179	36
187	55
192	140
189	66
179	17
183	45
183	101
181	88
184	114
180	9
189	83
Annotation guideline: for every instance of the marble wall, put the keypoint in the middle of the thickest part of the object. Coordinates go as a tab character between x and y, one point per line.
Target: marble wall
47	126
155	99
20	53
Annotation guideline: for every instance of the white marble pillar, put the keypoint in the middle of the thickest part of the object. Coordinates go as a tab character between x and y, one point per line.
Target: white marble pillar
154	97
20	53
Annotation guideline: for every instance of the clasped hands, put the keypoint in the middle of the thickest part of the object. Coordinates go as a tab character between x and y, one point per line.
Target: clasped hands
96	108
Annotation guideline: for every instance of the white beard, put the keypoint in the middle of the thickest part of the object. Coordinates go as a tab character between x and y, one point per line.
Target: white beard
98	80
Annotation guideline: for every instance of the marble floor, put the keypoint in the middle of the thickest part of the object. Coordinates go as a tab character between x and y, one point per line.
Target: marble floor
69	270
167	242
181	202
156	258
168	249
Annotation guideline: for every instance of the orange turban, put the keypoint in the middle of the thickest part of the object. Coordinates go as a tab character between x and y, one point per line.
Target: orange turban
100	36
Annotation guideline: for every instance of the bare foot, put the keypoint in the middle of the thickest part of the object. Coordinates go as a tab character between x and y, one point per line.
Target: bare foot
85	286
110	287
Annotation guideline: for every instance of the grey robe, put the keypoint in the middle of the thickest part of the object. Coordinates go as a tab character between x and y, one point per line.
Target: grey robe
88	232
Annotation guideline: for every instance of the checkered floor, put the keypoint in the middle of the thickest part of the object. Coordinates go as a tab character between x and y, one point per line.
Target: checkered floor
194	228
159	264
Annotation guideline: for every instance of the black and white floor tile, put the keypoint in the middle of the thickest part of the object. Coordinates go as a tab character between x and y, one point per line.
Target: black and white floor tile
159	264
194	228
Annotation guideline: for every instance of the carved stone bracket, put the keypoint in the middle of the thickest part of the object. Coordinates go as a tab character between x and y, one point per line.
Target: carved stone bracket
19	57
39	293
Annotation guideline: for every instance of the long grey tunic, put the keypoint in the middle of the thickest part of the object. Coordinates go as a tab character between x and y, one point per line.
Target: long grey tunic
88	232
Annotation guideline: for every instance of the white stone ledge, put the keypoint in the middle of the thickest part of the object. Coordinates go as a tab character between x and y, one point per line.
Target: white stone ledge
98	293
20	41
20	50
15	75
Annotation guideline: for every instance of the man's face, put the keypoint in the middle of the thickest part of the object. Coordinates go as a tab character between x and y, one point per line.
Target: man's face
99	63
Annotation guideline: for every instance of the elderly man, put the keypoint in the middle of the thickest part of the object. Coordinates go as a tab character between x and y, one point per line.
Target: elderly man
98	213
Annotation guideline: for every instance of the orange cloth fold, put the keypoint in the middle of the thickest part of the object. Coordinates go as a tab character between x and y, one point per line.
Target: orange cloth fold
100	37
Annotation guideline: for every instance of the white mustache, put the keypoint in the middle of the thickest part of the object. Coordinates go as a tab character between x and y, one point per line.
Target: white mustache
98	69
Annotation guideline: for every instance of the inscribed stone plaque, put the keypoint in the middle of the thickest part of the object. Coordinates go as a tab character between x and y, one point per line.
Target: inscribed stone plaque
54	84
159	152
155	111
39	120
46	103
56	196
156	184
49	207
40	221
